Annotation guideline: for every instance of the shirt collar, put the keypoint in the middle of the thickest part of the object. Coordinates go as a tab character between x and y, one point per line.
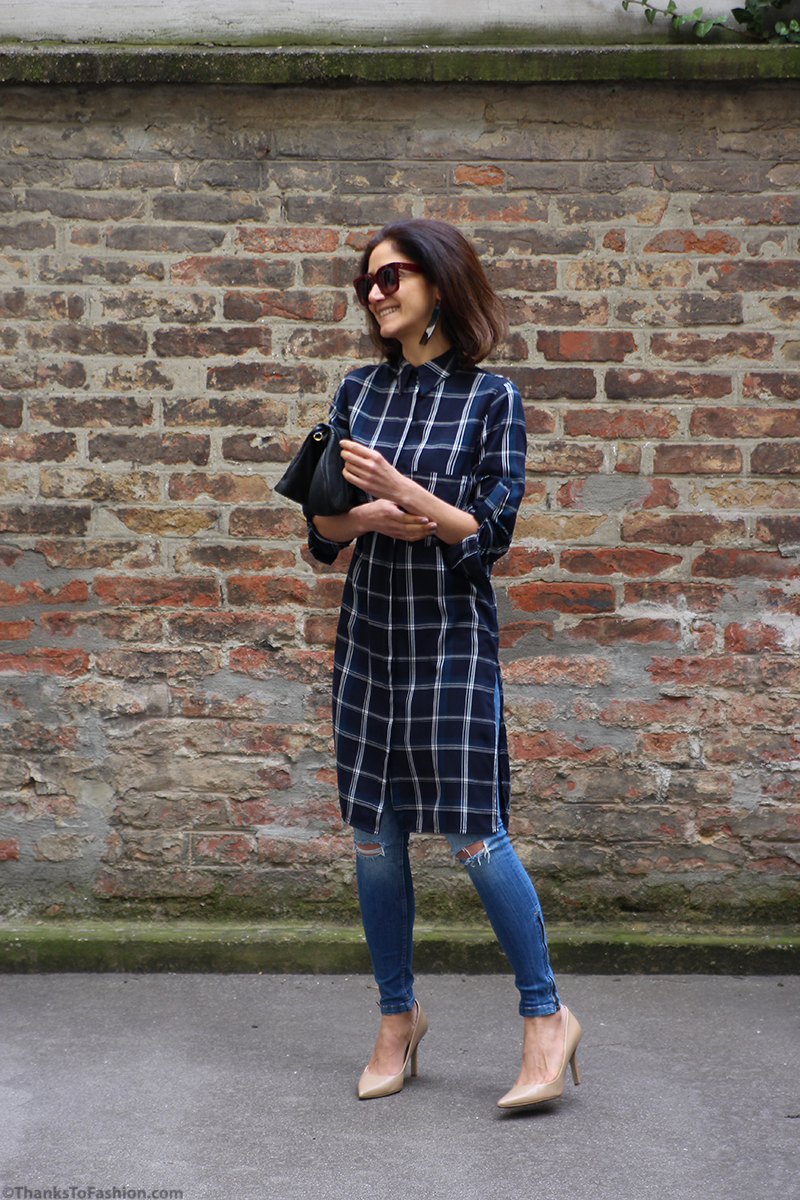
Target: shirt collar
429	373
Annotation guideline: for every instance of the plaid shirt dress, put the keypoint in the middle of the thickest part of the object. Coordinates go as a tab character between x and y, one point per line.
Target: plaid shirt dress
416	669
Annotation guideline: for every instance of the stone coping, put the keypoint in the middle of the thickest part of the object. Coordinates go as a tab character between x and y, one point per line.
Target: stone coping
315	66
32	947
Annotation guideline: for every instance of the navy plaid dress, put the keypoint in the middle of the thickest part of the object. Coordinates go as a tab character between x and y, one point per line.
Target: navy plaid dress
416	664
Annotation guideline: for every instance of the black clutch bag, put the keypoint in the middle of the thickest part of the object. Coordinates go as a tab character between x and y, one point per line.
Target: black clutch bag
314	476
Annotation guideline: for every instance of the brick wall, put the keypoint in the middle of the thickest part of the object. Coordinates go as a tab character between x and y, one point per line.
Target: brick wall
174	314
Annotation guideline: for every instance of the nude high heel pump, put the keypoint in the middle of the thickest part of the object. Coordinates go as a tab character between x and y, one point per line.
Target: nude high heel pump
524	1095
371	1086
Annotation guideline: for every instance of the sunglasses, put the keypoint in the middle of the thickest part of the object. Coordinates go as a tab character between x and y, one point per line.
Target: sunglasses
387	279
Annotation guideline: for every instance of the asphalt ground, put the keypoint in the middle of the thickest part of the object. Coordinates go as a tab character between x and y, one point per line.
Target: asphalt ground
244	1086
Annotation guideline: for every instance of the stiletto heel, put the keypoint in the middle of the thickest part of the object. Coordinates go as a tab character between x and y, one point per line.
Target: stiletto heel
371	1086
524	1095
573	1066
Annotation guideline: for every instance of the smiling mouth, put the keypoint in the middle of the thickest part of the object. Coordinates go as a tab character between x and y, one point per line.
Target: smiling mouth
385	312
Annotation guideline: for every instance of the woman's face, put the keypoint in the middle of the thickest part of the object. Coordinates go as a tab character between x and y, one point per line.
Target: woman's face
405	314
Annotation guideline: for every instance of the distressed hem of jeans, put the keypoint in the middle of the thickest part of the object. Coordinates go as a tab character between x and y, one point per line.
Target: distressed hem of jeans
370	849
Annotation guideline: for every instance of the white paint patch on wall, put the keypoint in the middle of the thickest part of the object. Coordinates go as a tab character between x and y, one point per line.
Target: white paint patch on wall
345	22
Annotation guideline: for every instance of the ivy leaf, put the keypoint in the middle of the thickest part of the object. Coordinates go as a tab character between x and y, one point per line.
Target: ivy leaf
697	14
671	7
650	13
625	4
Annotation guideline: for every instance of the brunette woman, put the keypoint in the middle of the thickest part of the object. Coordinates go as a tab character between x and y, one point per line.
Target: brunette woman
438	446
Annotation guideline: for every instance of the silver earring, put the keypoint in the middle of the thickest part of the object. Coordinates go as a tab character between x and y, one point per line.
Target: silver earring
426	337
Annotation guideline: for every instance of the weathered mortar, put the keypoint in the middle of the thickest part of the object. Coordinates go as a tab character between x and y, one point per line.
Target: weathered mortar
174	314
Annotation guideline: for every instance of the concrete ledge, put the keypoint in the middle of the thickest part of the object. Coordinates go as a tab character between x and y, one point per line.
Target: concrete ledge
115	64
29	948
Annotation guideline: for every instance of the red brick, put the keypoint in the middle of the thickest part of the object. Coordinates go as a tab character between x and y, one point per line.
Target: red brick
192	342
645	208
268	591
769	458
234	272
584	345
702	597
562	597
309	666
525	747
617	560
614	240
778	529
218	627
628	459
151	663
286	303
771	385
746	422
9	850
690	347
117	626
556	310
564	458
224	848
31	591
38	447
697	459
620	423
750	210
331	343
28	235
11	411
735	564
686	241
480	175
253	411
539	420
285	240
486	208
541	383
168	448
14	631
630	384
224	487
521	560
46	662
79	339
767	275
320	631
269	377
89	555
267	523
728	670
681	529
513	631
608	630
172	592
55	519
752	638
92	410
235	558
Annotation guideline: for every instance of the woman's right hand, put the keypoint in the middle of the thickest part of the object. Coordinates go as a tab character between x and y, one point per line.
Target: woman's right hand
386	518
376	516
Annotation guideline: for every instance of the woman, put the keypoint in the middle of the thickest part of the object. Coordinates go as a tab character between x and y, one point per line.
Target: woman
438	447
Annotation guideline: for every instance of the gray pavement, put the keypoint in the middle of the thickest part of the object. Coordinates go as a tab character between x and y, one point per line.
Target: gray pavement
243	1086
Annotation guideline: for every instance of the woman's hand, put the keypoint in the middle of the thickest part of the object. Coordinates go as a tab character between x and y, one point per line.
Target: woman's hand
368	469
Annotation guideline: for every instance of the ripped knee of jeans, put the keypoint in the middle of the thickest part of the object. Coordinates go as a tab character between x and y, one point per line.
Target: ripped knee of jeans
472	856
370	849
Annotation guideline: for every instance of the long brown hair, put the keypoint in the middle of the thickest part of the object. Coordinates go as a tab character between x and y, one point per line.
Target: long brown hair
473	318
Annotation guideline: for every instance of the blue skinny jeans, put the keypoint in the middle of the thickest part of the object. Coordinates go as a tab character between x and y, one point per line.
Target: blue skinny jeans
386	896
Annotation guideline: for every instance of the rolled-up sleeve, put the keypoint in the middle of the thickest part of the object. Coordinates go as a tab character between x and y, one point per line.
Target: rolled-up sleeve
499	485
322	548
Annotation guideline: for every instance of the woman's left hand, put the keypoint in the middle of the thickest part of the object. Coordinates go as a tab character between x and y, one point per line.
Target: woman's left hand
368	469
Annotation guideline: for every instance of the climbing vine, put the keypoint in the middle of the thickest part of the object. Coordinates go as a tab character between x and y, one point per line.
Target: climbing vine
756	17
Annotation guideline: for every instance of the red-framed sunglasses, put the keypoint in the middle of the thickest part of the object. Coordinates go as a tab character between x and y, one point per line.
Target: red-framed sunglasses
386	277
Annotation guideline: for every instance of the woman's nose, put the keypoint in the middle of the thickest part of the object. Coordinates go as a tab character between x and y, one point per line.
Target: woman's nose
375	293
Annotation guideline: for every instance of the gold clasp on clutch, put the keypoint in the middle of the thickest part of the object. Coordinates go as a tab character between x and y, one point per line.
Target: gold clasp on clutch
318	435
